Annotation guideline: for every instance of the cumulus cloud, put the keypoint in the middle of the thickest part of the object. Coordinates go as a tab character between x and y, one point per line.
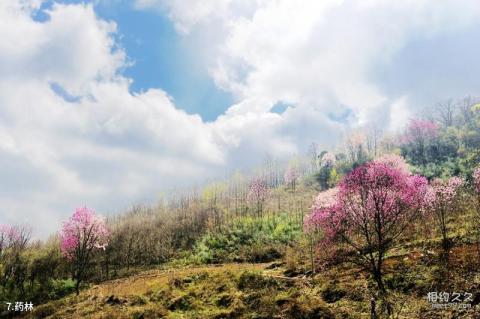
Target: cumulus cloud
106	148
333	54
326	52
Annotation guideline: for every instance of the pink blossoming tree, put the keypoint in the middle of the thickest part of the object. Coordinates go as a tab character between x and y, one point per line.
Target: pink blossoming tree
419	136
13	238
291	176
258	194
374	205
80	235
420	129
328	160
440	200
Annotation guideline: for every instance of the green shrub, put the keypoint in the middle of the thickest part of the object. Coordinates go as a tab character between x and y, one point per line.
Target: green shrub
247	239
61	287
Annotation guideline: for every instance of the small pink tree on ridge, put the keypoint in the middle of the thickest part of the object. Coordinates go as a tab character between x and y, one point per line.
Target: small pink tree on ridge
258	194
291	176
80	234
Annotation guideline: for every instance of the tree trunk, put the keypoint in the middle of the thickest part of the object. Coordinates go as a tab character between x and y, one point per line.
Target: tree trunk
107	264
77	287
478	250
379	280
378	277
373	312
311	254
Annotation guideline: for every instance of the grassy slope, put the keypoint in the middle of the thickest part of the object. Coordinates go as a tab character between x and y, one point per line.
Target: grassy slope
263	291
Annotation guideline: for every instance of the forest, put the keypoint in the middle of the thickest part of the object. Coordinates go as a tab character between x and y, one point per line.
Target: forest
386	225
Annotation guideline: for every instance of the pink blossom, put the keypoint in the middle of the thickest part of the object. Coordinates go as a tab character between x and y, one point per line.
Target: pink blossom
322	208
291	175
83	228
373	192
378	188
258	191
6	230
476	179
441	194
394	161
439	202
455	182
374	205
328	160
5	236
325	199
419	129
324	218
11	235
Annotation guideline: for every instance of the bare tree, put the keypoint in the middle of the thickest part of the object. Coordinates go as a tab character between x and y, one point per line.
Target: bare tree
446	112
374	136
313	155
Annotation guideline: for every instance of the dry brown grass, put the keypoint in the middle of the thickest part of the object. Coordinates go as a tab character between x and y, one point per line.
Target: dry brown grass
126	297
157	279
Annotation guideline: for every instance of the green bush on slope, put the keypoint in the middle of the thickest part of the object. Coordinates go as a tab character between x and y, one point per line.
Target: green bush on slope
248	239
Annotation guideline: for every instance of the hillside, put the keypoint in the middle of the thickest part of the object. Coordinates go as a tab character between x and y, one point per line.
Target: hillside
239	159
384	227
268	290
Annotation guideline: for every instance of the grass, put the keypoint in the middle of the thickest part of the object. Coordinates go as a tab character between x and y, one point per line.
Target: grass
223	291
264	291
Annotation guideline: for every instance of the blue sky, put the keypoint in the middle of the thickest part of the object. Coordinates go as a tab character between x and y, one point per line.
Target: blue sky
110	103
160	57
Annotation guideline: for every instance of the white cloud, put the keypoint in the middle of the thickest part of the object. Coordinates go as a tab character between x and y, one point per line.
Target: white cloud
73	48
399	115
188	14
108	148
323	53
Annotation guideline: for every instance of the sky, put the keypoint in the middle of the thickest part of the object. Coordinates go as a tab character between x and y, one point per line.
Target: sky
108	103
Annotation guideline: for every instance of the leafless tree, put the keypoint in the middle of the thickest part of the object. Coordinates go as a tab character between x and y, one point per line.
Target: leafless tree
446	112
